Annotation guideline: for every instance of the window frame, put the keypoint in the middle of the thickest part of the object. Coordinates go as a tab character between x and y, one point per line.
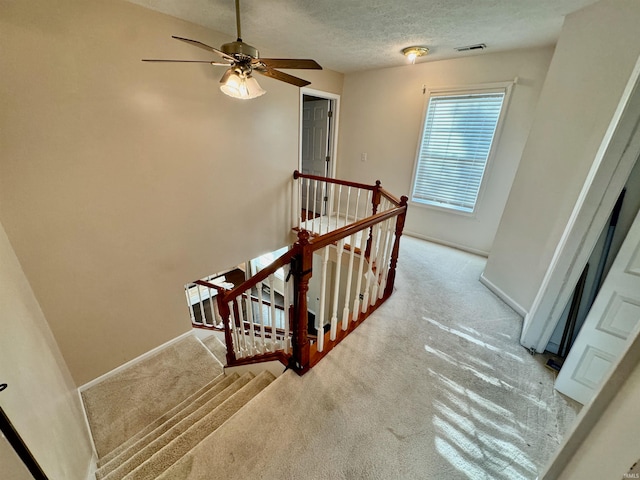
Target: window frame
498	87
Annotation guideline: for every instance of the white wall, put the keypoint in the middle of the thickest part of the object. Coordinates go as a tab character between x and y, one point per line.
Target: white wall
41	399
612	445
594	57
121	180
381	114
603	442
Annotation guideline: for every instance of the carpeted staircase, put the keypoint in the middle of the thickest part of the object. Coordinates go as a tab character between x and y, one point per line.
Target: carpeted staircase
161	442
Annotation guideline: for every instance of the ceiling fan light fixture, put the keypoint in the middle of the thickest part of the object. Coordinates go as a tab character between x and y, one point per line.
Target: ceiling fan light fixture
414	52
240	85
241	61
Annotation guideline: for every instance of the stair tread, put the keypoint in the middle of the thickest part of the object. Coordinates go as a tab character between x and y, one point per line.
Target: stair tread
119	405
170	418
132	458
180	446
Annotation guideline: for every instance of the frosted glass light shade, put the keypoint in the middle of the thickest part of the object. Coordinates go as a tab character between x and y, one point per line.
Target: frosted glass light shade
237	86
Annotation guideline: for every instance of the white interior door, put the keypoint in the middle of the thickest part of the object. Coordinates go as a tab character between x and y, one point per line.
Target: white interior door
315	145
611	325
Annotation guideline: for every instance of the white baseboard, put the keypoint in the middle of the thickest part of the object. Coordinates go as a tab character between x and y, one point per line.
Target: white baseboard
94	460
93	467
132	362
464	248
503	296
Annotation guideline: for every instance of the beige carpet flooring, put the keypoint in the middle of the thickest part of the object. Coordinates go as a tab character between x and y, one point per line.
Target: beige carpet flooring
434	385
119	407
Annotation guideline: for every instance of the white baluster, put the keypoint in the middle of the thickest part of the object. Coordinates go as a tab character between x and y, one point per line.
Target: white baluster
242	330
313	206
323	290
242	338
370	275
216	314
232	328
251	319
346	210
191	312
355	210
299	205
261	317
332	189
337	209
306	208
387	256
347	296
323	186
203	318
363	247
366	212
379	249
272	299
336	289
211	306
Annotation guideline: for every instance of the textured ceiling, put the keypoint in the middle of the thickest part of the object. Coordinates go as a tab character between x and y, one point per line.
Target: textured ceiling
352	35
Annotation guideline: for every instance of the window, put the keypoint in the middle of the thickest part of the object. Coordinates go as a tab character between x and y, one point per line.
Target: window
458	133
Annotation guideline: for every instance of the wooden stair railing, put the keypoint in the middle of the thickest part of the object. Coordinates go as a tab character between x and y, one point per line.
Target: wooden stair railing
362	243
381	258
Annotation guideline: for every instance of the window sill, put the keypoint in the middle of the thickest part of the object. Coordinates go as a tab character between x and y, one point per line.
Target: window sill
437	208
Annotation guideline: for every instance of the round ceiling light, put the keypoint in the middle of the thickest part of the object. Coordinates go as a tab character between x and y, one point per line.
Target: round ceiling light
414	52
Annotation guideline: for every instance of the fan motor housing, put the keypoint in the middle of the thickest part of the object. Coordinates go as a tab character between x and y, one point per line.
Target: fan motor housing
240	48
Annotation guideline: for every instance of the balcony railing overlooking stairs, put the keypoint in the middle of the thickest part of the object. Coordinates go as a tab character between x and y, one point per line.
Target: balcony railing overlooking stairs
340	270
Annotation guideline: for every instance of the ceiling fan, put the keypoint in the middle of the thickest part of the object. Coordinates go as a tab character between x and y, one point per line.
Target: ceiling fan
242	60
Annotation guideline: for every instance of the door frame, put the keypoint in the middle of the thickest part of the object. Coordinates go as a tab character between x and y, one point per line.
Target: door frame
334	125
609	172
17	443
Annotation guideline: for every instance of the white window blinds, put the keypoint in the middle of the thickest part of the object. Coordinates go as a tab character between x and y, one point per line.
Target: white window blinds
456	142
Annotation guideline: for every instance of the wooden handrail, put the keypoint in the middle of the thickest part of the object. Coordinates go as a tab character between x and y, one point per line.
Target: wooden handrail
332	237
392	198
297	174
204	283
306	350
280	262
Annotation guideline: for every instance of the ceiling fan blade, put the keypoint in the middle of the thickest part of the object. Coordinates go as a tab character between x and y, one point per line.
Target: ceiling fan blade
184	61
284	77
301	63
205	47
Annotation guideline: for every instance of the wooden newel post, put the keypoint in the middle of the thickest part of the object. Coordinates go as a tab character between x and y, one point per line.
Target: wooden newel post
225	314
375	201
391	278
302	274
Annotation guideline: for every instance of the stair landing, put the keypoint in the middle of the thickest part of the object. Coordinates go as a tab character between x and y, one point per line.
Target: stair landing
140	430
126	402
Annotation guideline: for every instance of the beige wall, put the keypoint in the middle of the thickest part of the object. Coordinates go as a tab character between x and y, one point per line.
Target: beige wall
122	180
594	58
41	399
611	447
382	114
